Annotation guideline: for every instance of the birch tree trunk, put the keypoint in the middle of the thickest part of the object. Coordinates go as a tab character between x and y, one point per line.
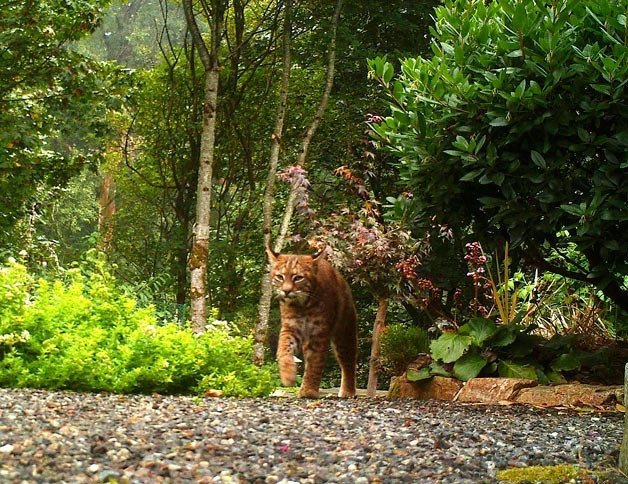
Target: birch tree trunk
266	294
378	329
200	241
106	212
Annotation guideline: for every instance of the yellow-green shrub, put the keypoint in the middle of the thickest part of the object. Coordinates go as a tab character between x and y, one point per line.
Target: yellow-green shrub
82	333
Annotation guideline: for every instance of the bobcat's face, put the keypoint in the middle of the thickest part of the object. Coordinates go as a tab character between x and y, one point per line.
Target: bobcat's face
293	277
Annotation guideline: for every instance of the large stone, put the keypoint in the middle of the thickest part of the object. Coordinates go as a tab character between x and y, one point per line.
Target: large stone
572	394
492	390
436	388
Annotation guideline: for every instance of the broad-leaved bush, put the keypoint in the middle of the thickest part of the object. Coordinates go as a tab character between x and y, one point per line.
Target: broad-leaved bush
516	126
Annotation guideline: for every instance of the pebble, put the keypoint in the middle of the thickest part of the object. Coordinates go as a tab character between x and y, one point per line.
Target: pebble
72	437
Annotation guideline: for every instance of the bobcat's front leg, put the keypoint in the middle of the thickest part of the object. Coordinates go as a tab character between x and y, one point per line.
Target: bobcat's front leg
315	354
288	341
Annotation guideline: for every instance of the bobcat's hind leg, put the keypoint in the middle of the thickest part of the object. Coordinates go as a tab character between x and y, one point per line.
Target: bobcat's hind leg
345	350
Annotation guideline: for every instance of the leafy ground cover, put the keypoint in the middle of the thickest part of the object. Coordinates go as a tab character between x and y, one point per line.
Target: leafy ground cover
80	332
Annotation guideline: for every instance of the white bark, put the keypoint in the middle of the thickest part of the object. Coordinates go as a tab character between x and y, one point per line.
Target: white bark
266	294
265	298
107	210
200	242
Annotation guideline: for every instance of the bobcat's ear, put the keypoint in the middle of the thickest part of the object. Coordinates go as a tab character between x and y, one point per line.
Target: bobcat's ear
320	254
272	255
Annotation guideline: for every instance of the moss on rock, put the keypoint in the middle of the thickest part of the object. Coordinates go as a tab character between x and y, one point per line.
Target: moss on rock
545	474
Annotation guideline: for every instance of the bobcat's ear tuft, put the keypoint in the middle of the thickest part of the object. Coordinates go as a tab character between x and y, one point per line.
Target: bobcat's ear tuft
272	255
320	254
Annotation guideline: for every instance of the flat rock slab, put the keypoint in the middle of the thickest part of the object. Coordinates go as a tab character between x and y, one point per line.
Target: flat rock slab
501	390
573	394
436	388
493	390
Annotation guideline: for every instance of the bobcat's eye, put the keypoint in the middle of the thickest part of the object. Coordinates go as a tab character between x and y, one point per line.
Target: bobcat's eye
279	277
297	278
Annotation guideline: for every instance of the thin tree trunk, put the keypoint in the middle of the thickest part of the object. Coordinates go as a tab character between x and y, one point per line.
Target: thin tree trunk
378	329
623	453
309	134
266	295
201	231
107	209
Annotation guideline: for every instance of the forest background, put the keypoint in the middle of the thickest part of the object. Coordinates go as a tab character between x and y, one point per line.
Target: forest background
102	113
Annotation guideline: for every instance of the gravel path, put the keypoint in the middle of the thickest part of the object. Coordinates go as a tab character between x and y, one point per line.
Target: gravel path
72	437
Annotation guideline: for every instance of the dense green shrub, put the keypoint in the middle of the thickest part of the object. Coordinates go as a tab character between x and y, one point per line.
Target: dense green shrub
401	344
81	333
517	127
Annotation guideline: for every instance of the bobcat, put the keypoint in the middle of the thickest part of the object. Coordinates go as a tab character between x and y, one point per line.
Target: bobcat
316	309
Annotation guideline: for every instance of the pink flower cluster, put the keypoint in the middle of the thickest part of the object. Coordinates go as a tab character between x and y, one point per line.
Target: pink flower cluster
475	260
373	118
296	176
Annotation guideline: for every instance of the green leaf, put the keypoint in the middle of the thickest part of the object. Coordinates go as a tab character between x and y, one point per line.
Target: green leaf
576	210
472	174
523	345
512	369
438	370
480	329
418	375
447	48
397	89
555	377
515	53
388	72
561	343
459	54
469	366
566	362
538	160
450	346
501	121
504	336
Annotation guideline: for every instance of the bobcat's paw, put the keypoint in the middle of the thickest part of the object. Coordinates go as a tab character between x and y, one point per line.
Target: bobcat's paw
343	393
288	379
308	393
287	371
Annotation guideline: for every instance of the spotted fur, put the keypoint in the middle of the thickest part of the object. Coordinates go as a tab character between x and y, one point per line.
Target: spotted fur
317	311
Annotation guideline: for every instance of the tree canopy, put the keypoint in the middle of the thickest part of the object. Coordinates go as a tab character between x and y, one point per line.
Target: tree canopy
53	101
